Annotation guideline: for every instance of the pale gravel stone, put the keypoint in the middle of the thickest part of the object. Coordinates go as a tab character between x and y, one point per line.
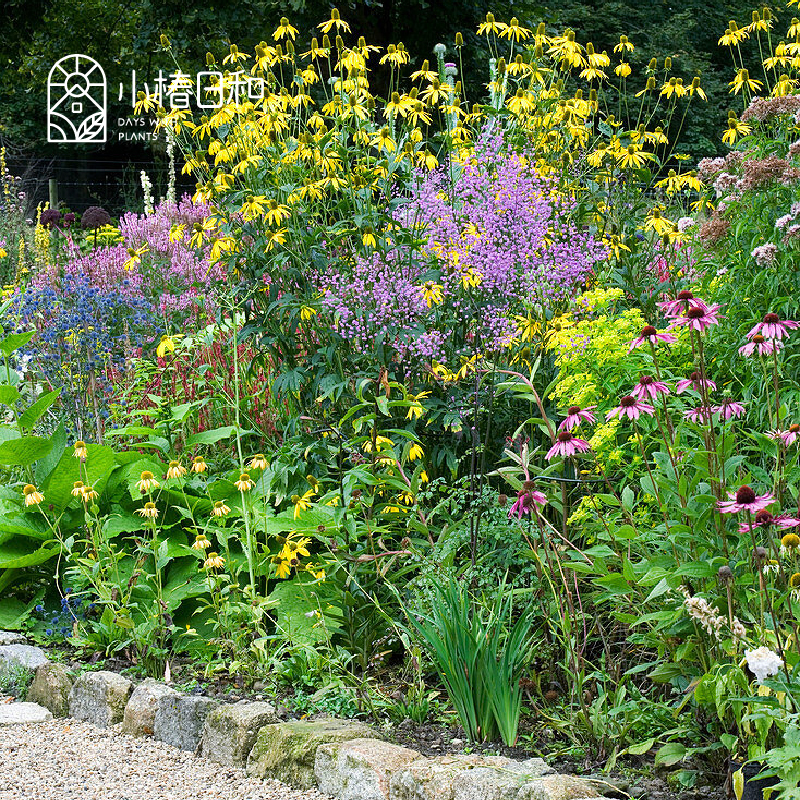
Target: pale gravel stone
69	760
22	656
23	713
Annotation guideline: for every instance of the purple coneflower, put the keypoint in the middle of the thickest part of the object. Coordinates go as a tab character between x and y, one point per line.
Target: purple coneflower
631	408
651	335
763	519
699	414
695	381
773	327
526	500
673	308
650	387
789	436
745	499
576	415
759	344
698	316
566	445
728	409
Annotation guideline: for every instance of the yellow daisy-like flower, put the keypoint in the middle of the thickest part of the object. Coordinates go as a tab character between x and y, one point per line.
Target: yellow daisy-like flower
334	22
282	568
77	489
624	45
244	484
794	581
258	461
147	482
201	542
176	470
277	212
33	497
302	503
220	509
791	541
307	313
199	464
285	29
79	450
88	494
415	452
515	31
432	294
743	79
623	70
166	345
214	561
149	511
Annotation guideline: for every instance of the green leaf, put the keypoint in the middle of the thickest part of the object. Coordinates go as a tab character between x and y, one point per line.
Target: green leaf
34	413
45	466
9	395
18	553
24	451
614	583
641	748
671	753
14	341
98	466
210	437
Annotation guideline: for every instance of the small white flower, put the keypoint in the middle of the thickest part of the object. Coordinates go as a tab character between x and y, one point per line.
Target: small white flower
763	663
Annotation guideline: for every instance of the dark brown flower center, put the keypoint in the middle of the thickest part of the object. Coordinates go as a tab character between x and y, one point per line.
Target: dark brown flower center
794	428
648	330
565	436
764	518
646	380
528	486
573	410
695	313
759	339
745	495
685	294
627	401
771	317
694	377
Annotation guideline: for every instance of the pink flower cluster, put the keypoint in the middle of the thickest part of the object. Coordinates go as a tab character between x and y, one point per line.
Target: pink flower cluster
496	239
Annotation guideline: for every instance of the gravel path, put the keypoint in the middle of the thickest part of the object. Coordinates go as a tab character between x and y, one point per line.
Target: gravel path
68	760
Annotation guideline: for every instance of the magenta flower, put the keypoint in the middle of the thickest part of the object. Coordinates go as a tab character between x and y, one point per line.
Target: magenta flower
631	408
673	308
698	316
650	387
699	414
772	327
651	335
763	519
728	409
744	499
695	381
788	436
758	344
525	502
566	445
576	415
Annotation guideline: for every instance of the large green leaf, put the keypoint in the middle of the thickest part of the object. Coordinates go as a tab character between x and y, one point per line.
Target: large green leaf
24	451
44	466
14	341
96	470
13	612
33	413
9	395
301	611
18	553
210	437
